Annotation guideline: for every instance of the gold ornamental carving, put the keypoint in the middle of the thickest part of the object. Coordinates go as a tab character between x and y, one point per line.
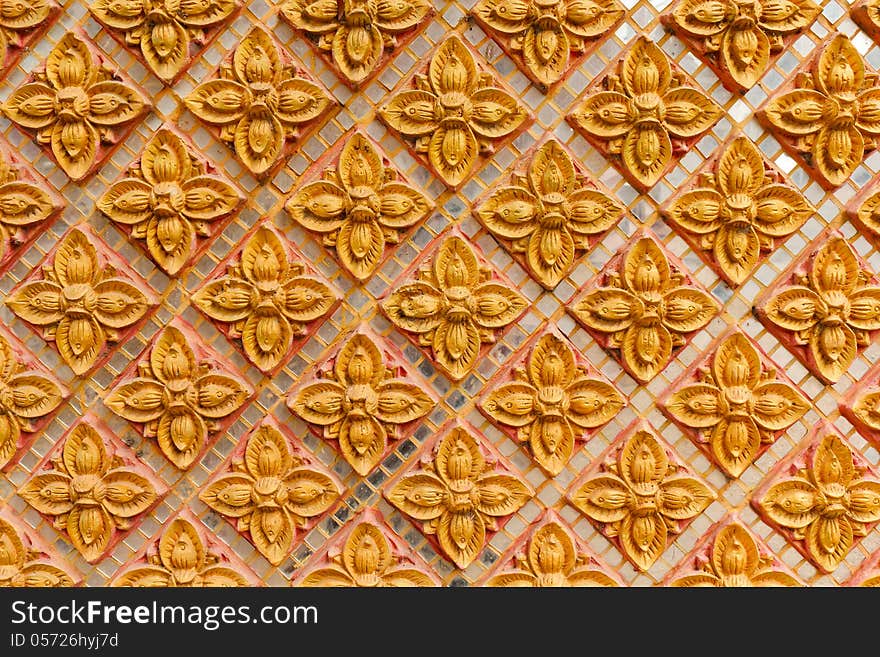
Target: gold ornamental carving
180	559
89	492
829	312
166	33
178	398
735	559
739	40
453	306
549	215
459	495
739	211
824	500
368	558
861	405
25	563
361	402
644	307
271	491
359	207
543	35
552	558
22	23
831	116
259	103
454	113
640	498
863	210
644	114
169	199
737	406
27	397
76	105
356	35
552	402
82	302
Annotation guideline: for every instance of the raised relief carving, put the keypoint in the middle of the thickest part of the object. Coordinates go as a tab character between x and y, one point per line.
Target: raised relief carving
453	306
542	35
271	491
823	499
266	299
640	497
643	306
370	557
549	215
829	117
737	212
644	114
357	37
863	210
259	103
22	23
359	206
27	397
76	105
178	398
361	402
551	557
733	558
734	407
459	495
90	492
181	558
455	112
82	302
170	199
26	562
739	40
861	405
552	402
826	310
167	33
866	14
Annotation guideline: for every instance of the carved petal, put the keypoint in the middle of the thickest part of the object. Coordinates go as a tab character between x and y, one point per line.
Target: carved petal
687	309
552	443
259	138
76	261
362	441
833	464
272	533
268	453
37	302
604	498
266	337
256	58
125	494
359	362
113	103
774	578
646	349
357	50
182	551
734	552
736	364
797	112
500	495
166	159
643	538
119	304
704	18
608	309
300	100
48	493
497	305
546	52
264	259
127	202
554	540
31	395
181	437
550	254
229	495
197	14
320	403
42	575
701	580
170	241
412	113
326	578
683	498
140	400
745	52
422	496
74	145
791	503
360	165
551	363
309	492
10	432
735	443
312	16
689	112
866	409
833	348
31	106
837	151
306	299
461	535
506	16
590	19
698	211
868	118
840	70
360	246
643	462
23	204
510	213
699	405
787	16
90	529
512	404
172	359
400	16
407	577
737	250
367	540
84	452
864	309
740	170
778	405
592	403
795	308
80	341
607	114
319	206
26	15
400	402
226	299
591	212
217	396
835	269
452	68
452	151
219	101
519	579
645	69
829	540
780	210
70	63
646	151
864	505
415	307
165	47
206	198
219	576
401	206
456	346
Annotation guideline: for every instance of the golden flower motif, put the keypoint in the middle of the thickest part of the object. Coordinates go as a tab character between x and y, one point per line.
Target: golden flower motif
79	304
645	309
741	36
267	298
739	210
270	492
549	214
458	496
76	105
736	561
367	560
257	102
359	207
645	106
360	402
832	115
356	32
454	306
164	30
89	493
20	22
454	113
176	398
552	401
23	566
26	395
552	560
832	310
167	199
181	560
545	32
642	498
826	504
739	403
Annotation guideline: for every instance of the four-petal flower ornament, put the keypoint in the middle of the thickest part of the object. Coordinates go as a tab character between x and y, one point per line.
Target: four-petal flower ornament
832	116
23	566
455	113
76	106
